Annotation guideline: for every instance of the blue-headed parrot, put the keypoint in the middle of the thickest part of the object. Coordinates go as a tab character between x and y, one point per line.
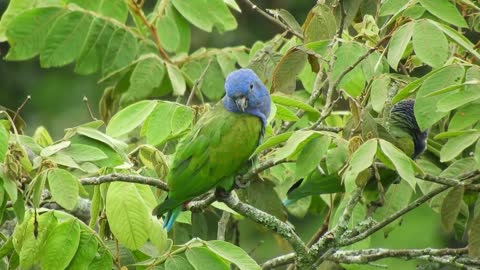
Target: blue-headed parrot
219	145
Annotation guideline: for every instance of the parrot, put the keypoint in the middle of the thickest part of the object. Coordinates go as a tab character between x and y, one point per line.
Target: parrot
219	145
403	131
404	128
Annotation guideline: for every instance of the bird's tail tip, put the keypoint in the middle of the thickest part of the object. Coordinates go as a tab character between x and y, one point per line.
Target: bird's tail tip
170	218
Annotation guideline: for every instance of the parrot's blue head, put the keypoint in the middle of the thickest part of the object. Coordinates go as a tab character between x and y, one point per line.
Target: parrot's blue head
245	93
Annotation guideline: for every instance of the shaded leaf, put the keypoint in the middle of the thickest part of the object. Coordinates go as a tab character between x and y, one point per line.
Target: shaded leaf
451	207
233	254
199	257
285	73
456	145
398	43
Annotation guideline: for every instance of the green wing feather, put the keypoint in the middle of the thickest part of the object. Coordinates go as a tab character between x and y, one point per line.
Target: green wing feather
218	146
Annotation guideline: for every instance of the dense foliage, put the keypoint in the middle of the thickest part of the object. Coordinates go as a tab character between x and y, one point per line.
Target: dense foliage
85	201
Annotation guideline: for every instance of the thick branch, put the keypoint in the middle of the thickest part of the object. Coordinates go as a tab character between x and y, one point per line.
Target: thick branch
445	256
279	261
267	220
114	177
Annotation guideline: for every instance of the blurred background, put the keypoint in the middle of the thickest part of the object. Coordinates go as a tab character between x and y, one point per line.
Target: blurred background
57	103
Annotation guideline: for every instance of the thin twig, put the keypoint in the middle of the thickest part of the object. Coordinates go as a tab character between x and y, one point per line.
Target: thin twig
342	18
17	112
222	225
85	101
196	85
273	19
137	9
114	177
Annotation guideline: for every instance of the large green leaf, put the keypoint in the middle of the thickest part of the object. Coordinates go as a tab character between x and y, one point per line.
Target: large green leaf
460	39
233	254
354	81
183	29
200	257
117	10
464	117
212	85
64	187
401	161
379	91
430	44
311	155
319	24
177	79
396	198
168	33
451	207
390	7
129	118
83	152
86	251
128	216
361	159
470	92
168	120
61	245
445	10
272	141
207	14
426	107
456	145
474	238
177	262
294	144
398	43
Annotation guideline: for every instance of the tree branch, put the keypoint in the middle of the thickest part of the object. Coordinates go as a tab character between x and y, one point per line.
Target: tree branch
273	19
268	221
114	177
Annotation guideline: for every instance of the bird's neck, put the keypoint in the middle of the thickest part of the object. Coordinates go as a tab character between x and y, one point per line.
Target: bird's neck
230	105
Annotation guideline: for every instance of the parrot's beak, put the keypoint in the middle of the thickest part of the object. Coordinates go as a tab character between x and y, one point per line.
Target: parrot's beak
242	103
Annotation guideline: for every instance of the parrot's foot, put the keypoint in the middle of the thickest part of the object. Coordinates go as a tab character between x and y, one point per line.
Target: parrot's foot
239	183
221	193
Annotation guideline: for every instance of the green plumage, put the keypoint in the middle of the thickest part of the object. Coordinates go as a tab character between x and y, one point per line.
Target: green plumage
217	147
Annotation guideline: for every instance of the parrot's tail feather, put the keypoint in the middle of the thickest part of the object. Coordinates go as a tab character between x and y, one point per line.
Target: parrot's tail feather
288	202
171	217
166	206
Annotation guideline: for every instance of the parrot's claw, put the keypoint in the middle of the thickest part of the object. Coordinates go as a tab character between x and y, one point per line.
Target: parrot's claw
221	193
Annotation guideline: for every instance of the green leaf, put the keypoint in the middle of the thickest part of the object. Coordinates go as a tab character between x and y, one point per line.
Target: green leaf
294	144
311	155
128	216
101	137
390	7
212	85
117	10
26	244
316	183
474	238
205	15
337	157
64	188
233	254
354	81
129	118
121	50
158	236
445	10
379	91
319	24
65	39
285	73
86	251
287	18
9	185
168	33
283	113
464	117
52	149
177	79
42	137
396	198
4	136
430	44
412	87
177	262
61	245
460	39
451	207
199	257
401	161
398	44
28	31
168	120
147	75
38	185
469	93
272	141
103	260
360	160
456	145
183	28
291	102
426	107
83	152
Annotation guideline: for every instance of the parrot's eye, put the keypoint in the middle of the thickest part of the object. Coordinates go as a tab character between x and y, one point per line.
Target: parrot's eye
251	87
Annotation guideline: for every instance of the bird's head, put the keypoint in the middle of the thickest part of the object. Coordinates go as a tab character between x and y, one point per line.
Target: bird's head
402	119
245	93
